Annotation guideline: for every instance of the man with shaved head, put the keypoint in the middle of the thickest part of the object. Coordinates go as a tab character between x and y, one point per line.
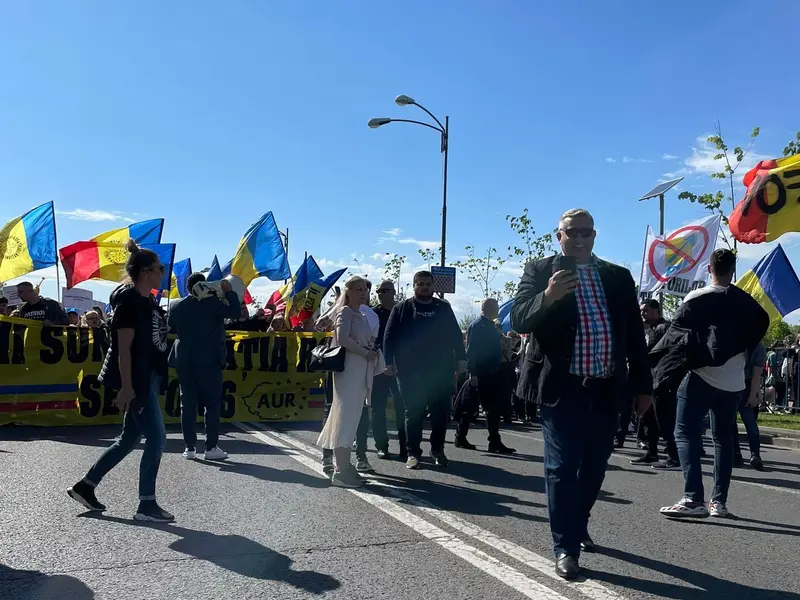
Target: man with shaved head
484	357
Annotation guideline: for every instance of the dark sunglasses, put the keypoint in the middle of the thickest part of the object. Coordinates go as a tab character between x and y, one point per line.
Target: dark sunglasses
573	232
385	291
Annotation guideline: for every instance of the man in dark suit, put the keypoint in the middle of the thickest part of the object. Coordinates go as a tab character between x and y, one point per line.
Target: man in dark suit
586	353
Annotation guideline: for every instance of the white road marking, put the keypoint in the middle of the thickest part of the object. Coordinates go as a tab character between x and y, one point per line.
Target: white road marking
626	459
587	587
477	558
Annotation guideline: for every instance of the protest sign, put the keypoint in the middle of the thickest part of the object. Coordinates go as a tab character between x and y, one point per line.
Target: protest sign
48	376
10	292
80	300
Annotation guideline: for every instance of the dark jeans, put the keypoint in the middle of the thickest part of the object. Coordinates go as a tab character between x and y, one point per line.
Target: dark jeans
780	393
665	406
524	409
382	385
576	433
432	392
624	422
695	399
749	416
144	418
490	390
203	387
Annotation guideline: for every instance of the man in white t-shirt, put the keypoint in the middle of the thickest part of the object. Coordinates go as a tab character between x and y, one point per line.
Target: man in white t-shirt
737	323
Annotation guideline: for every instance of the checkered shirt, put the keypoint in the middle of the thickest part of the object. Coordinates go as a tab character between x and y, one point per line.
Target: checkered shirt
592	353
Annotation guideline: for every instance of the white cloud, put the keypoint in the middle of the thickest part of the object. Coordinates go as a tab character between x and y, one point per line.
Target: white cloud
627	159
393	232
610	160
669	157
702	159
381	255
420	243
80	214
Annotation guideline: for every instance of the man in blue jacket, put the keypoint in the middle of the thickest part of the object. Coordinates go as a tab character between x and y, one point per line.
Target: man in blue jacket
199	355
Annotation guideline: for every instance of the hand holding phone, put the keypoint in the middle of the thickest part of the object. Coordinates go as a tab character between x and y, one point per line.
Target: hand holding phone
564	279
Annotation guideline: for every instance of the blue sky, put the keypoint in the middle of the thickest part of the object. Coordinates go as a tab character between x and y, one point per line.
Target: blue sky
209	114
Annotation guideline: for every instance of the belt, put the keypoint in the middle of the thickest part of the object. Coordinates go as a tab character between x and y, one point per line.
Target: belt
590	382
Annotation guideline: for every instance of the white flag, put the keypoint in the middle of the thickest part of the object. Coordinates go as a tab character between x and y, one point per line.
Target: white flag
677	262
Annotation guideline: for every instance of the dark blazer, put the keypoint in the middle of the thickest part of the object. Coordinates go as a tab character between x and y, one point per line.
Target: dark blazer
484	354
552	334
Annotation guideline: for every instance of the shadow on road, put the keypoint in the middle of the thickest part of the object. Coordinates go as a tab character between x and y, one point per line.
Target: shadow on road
709	586
734	522
24	585
237	554
271	474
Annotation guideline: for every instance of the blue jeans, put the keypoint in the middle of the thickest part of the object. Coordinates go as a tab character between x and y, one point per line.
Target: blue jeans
749	416
578	435
143	419
695	399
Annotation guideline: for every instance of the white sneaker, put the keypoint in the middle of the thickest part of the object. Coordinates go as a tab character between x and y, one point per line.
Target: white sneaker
363	466
346	479
215	454
190	454
685	509
718	509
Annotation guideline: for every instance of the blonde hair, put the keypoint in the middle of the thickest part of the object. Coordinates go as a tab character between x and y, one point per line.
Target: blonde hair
343	299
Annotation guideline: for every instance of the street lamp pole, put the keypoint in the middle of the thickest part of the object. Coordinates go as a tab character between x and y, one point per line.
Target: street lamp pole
444	131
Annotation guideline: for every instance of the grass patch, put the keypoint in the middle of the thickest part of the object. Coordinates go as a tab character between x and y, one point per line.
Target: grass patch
779	421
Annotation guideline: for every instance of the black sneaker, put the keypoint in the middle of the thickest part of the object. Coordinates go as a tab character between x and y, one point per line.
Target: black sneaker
645	459
643	445
150	511
83	493
384	455
757	463
464	444
439	458
668	465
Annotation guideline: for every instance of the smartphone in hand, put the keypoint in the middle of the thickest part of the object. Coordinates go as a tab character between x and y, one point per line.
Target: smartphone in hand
565	263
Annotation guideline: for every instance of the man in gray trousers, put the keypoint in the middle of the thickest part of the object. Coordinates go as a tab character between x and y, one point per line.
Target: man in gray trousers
199	356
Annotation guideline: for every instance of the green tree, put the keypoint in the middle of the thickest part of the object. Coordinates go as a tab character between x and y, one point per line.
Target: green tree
482	269
528	247
778	333
393	271
432	257
732	160
466	320
793	147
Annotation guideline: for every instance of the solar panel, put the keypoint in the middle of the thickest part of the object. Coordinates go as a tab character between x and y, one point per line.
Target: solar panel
661	188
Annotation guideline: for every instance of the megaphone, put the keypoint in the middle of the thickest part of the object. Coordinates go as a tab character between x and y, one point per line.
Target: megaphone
206	289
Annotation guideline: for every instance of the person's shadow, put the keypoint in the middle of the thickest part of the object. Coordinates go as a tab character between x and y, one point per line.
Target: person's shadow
237	554
24	585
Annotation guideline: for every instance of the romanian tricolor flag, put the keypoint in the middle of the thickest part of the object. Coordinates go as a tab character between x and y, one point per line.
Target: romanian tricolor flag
313	297
771	206
283	297
102	260
28	243
774	285
261	253
144	232
180	279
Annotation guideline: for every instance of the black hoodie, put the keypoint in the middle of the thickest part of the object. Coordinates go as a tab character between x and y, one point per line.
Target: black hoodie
149	348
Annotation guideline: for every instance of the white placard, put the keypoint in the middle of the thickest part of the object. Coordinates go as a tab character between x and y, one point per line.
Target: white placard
80	300
677	262
10	292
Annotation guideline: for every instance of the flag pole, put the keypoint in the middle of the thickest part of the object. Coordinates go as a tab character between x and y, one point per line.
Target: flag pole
644	255
58	262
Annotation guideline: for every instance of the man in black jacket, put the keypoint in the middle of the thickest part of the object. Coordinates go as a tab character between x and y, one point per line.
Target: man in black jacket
423	345
587	345
713	329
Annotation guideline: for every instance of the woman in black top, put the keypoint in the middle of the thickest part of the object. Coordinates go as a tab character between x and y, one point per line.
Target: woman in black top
134	365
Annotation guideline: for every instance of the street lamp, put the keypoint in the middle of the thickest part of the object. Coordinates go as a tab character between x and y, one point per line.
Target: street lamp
444	132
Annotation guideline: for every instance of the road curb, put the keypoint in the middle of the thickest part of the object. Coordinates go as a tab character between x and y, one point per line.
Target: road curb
784	438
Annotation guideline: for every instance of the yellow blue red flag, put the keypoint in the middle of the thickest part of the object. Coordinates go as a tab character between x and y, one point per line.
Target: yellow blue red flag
28	243
774	285
144	232
180	278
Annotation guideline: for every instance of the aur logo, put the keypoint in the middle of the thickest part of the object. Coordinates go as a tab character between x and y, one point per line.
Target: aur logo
116	256
10	247
279	397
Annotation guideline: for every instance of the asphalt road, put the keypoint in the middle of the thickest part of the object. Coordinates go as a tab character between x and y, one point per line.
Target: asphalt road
265	524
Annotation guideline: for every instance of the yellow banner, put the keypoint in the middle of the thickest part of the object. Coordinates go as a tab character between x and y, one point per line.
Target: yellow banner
48	376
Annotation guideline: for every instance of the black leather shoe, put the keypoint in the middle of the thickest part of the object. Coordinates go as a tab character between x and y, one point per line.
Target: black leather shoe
384	455
567	566
439	458
464	444
618	443
500	449
588	545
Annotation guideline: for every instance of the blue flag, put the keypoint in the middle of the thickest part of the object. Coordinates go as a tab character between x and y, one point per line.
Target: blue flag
504	316
214	273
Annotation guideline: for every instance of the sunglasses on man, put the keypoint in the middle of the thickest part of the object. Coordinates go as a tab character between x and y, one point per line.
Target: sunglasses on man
385	291
573	232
